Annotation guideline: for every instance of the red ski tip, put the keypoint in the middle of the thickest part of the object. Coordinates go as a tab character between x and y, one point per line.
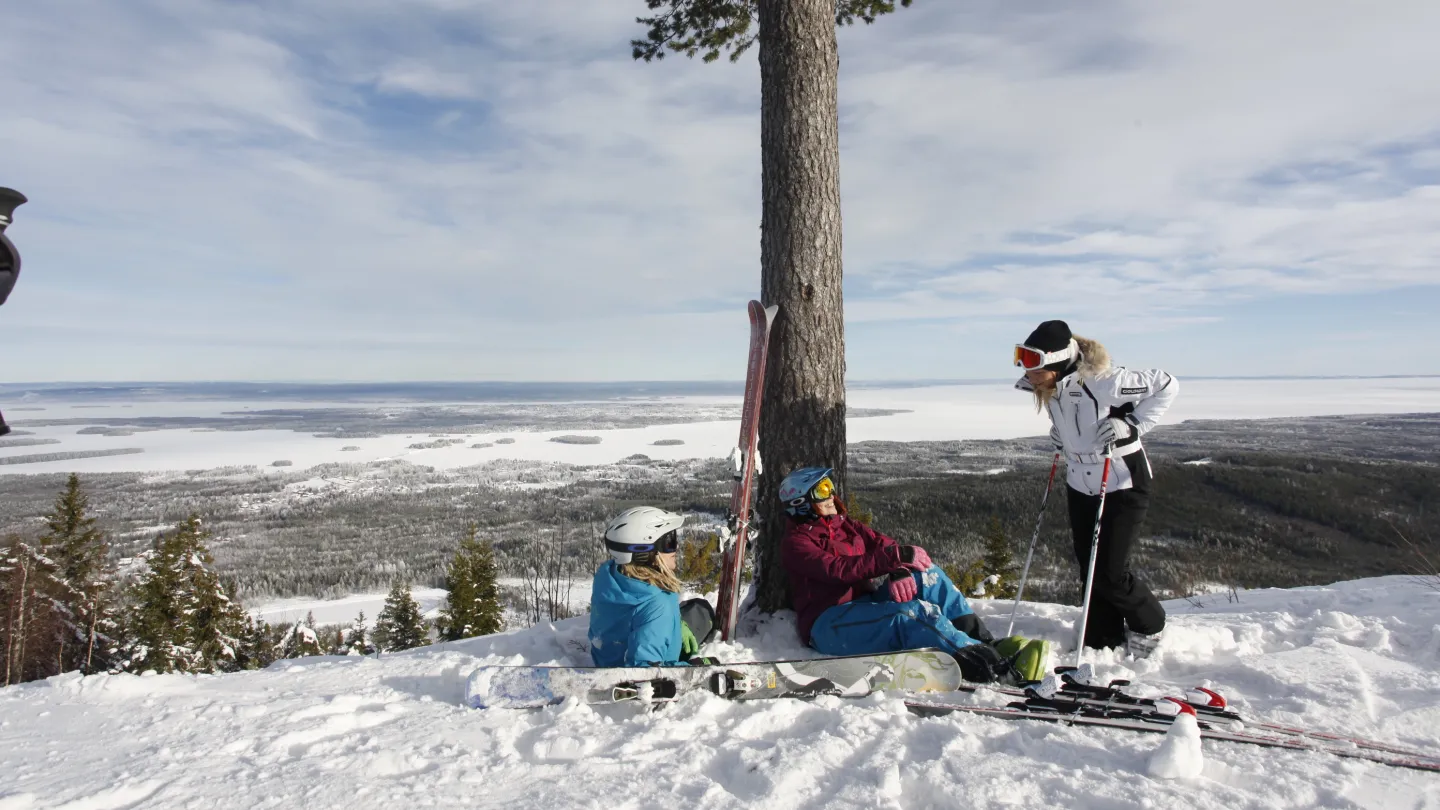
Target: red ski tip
1180	707
1209	697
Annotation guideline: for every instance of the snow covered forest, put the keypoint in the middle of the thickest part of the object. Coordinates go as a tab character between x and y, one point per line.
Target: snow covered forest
1257	503
1275	503
66	605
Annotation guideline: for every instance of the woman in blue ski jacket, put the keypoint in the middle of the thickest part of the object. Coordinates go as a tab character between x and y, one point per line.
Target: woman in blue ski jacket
636	618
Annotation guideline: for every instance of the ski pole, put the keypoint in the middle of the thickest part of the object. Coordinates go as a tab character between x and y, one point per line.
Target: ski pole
1094	549
1029	555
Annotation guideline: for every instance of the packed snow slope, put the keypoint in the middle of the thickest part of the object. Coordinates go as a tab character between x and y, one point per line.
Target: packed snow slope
361	733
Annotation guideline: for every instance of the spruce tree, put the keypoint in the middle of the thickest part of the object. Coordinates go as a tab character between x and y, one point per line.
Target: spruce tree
357	638
70	534
33	595
301	640
85	613
336	644
472	603
183	619
400	625
857	512
219	623
700	563
993	575
155	627
999	561
257	645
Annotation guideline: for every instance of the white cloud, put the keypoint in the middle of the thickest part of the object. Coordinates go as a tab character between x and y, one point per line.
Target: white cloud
421	79
430	180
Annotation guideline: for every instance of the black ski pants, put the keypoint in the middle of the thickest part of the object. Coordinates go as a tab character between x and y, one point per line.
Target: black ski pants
1117	598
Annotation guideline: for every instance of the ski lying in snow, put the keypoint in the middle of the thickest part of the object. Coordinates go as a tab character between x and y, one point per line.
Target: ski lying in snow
746	458
1210	706
521	687
1079	711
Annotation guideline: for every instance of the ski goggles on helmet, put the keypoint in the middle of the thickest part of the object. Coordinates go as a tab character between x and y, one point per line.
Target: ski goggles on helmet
822	490
667	543
1030	358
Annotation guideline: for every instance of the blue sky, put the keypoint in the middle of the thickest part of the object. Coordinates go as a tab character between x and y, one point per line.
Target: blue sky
485	189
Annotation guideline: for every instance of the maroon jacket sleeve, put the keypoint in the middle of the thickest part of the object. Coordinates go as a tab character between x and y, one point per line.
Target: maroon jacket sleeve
875	541
803	554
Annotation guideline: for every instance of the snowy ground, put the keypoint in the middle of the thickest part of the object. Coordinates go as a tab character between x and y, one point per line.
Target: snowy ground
365	733
343	610
949	412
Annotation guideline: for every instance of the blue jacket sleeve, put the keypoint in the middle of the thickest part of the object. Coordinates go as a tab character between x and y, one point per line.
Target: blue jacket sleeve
654	637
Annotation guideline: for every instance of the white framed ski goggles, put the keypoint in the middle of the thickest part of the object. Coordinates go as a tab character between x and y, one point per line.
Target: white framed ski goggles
1030	358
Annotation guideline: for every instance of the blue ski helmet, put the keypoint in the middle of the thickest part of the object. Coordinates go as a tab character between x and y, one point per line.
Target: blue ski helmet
795	489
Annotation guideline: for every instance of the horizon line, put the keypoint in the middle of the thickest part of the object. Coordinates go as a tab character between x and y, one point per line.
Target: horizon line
923	381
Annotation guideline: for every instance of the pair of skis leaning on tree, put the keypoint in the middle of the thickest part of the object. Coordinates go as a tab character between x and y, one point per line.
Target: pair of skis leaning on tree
857	591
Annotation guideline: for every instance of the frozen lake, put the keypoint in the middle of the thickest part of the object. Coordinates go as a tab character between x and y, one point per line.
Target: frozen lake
685	423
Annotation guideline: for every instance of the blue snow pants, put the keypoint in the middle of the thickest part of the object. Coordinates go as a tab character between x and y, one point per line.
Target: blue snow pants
875	623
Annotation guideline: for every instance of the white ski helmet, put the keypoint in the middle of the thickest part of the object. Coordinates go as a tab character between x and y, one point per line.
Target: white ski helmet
641	531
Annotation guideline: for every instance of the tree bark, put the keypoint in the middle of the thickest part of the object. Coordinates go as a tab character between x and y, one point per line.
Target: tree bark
802	422
90	641
15	658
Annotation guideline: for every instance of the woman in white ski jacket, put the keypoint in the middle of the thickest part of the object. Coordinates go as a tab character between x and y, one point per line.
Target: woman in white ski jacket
1092	406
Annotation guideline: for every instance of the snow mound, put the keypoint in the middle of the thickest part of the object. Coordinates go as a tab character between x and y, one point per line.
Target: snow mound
360	733
1180	755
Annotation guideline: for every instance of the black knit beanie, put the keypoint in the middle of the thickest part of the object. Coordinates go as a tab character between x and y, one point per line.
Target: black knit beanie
1052	336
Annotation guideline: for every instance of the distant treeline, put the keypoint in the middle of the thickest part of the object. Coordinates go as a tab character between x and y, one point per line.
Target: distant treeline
1245	519
1256	513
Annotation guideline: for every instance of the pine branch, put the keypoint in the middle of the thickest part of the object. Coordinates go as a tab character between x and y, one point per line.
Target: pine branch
712	27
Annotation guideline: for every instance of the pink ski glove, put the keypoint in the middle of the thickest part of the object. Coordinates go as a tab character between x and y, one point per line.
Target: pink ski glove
914	558
903	589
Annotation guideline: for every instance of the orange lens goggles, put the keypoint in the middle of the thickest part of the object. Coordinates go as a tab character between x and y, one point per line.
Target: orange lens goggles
1028	359
823	490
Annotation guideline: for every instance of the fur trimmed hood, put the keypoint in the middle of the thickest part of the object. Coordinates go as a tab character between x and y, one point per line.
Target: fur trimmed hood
1094	359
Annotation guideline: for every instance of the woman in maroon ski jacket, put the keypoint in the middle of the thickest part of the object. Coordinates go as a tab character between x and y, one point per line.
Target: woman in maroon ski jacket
856	591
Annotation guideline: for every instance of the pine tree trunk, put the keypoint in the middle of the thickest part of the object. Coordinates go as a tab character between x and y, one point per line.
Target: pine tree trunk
15	656
803	418
90	641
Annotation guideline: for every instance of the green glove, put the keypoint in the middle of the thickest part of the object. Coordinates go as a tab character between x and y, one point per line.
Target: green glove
688	645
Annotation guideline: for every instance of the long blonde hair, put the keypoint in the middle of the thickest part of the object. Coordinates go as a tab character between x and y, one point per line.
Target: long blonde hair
659	577
1043	394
